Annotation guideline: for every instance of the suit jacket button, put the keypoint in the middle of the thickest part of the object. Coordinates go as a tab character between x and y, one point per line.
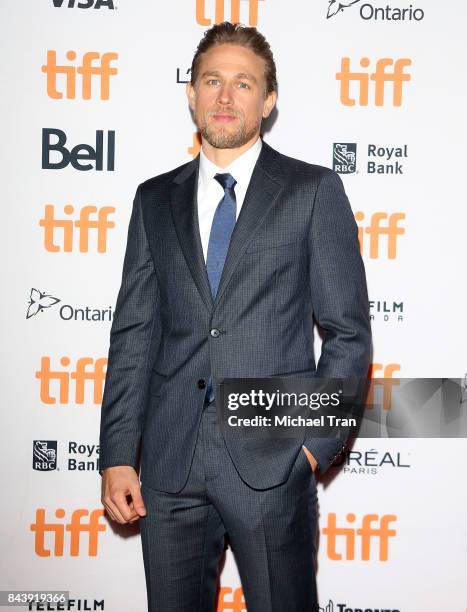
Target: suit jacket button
215	333
201	383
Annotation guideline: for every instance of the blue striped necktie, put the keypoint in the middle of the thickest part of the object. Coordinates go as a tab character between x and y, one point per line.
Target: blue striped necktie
222	227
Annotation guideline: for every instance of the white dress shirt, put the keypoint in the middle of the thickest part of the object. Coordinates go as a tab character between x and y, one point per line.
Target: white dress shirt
210	192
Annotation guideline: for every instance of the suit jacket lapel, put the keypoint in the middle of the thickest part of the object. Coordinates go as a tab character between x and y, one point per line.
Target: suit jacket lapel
185	215
264	187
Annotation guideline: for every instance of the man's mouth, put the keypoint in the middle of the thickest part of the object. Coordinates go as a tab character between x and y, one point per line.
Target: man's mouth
223	117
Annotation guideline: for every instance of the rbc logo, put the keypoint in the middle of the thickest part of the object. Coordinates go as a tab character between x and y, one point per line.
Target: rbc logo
97	4
344	157
77	153
44	455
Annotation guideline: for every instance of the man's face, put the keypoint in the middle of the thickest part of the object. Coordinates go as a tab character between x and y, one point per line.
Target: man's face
228	98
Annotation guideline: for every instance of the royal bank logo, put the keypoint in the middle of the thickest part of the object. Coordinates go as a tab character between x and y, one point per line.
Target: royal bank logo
344	157
369	12
381	159
82	457
344	607
44	455
41	300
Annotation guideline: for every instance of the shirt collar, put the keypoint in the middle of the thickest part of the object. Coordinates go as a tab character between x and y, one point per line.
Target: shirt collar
241	168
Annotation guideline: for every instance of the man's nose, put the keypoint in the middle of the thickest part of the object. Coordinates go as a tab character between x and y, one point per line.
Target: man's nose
225	94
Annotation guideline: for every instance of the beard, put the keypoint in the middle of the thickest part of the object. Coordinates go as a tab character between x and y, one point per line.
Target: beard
221	137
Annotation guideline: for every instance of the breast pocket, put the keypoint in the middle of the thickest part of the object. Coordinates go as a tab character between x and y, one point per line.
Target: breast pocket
256	246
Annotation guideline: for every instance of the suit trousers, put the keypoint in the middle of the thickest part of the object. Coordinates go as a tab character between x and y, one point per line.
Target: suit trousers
272	534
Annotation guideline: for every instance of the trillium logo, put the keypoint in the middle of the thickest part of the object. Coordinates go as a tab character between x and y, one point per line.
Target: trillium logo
39	301
336	6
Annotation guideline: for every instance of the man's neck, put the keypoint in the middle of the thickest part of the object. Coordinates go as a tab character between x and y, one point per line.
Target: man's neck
223	157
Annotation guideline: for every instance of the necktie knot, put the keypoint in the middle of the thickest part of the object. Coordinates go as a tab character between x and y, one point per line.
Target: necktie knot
226	180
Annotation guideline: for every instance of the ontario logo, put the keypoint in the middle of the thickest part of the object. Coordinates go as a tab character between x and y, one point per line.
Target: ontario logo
41	300
369	12
44	455
344	157
337	6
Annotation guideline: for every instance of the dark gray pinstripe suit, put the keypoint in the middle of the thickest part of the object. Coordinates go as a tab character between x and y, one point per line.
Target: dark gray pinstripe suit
294	250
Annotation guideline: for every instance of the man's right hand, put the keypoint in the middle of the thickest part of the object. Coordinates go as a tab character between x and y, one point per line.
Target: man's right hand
118	483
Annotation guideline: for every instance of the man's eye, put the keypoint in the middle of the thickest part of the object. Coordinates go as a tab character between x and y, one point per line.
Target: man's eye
213	81
243	85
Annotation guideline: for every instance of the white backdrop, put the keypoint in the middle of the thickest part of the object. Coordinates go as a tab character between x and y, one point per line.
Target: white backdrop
416	278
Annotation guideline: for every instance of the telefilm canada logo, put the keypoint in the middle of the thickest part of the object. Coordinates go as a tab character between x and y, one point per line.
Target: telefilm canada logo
370	12
77	603
44	455
41	300
387	311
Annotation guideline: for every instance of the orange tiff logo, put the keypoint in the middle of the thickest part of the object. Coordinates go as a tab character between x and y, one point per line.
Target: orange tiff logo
93	65
65	227
231	600
88	373
374	529
220	11
381	224
387	71
76	527
381	384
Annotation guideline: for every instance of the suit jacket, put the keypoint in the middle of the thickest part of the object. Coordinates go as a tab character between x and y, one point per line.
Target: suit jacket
294	251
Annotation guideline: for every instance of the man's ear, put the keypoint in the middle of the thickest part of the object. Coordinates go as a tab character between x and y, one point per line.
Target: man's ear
191	95
269	103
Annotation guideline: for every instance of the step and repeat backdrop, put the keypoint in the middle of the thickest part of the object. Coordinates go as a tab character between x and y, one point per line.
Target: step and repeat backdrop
93	102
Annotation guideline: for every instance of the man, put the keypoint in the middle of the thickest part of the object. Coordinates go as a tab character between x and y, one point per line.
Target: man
226	258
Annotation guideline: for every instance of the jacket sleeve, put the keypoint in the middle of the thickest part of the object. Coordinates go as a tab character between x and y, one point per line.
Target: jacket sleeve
135	329
339	299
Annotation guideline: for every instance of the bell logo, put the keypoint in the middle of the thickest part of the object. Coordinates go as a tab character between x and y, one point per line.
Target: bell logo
375	230
66	228
219	12
87	370
75	528
367	534
77	153
380	77
97	4
231	600
93	65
